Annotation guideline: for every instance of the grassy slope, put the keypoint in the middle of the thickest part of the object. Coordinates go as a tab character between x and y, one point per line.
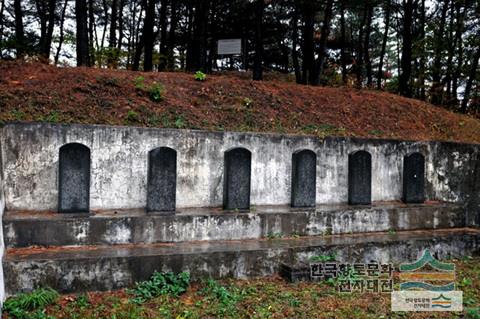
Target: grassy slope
36	92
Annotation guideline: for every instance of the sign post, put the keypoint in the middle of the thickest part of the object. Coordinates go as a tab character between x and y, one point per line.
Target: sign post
230	48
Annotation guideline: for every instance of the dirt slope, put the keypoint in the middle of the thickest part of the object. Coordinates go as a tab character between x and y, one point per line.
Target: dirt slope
37	92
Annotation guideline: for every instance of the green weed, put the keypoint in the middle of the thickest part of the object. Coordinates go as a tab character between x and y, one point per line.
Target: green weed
227	297
18	115
274	235
323	258
200	76
161	284
156	92
139	83
132	117
21	305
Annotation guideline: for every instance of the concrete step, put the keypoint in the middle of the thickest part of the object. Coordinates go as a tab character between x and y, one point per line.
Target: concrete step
87	268
23	229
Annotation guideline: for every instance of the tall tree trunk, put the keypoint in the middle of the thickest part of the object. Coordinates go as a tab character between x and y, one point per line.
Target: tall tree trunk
423	54
343	58
120	26
258	58
2	10
105	11
42	16
91	26
296	64
46	14
360	48
112	39
148	36
384	44
458	68
186	58
212	56
437	87
471	78
52	5
138	42
197	57
322	47
131	40
406	60
62	36
163	35
82	33
171	35
366	46
450	53
19	33
308	53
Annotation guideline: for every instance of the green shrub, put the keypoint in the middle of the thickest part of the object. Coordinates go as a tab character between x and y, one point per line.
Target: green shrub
473	313
132	117
156	91
200	76
180	122
139	83
161	284
20	305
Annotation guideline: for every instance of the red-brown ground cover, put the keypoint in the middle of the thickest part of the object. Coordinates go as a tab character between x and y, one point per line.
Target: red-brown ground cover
39	92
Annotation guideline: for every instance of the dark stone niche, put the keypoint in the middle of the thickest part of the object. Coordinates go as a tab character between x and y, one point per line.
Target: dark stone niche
414	178
236	187
162	180
304	177
360	178
74	179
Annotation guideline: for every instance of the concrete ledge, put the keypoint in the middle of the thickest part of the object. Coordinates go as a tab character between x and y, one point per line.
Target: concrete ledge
105	268
136	227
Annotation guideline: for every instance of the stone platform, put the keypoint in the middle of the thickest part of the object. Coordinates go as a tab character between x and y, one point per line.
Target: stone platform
23	229
87	268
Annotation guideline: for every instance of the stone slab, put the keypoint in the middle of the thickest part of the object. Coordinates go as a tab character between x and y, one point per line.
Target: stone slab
137	226
113	267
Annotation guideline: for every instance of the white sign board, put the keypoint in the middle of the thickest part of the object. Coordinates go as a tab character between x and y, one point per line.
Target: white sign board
229	46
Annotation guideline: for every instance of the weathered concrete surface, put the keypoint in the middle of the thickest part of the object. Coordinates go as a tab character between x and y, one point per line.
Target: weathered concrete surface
2	246
120	156
134	227
119	166
105	268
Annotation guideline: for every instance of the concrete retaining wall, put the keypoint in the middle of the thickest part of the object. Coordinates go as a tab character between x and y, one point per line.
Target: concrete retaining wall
119	158
2	246
127	227
109	268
